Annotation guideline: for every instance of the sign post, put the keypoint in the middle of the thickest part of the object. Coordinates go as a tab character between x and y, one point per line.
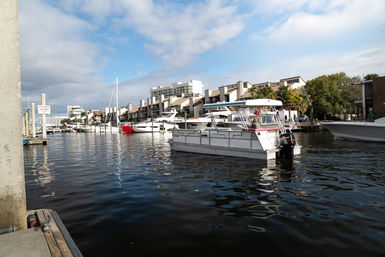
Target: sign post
43	110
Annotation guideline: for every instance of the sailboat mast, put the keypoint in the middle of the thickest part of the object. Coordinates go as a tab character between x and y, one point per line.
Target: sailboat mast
117	102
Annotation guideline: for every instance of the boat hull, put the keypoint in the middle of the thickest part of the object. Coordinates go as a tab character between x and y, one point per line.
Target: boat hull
364	131
218	150
257	144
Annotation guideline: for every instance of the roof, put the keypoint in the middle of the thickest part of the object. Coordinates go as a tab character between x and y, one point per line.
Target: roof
98	113
247	94
295	77
214	93
134	109
254	102
230	91
179	102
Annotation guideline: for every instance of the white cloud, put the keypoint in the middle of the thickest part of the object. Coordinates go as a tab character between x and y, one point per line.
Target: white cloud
319	19
354	63
56	57
177	33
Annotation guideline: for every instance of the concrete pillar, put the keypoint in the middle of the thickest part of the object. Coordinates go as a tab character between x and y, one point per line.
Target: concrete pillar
363	102
161	105
222	93
207	95
33	121
27	133
12	185
43	119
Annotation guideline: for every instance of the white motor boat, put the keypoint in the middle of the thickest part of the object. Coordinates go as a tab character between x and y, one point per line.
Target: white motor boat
264	139
356	130
149	127
218	116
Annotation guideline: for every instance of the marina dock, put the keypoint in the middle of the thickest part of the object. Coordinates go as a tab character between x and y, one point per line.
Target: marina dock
46	237
37	141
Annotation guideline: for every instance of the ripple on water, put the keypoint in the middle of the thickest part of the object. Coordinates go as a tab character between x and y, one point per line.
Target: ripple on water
130	195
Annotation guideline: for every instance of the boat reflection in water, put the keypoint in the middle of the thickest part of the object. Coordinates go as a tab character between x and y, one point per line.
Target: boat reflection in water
238	187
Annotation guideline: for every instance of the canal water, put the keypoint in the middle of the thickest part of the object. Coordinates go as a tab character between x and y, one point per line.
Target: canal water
129	195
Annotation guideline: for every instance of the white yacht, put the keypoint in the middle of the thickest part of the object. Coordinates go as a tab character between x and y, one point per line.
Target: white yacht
218	115
148	127
356	130
164	122
264	139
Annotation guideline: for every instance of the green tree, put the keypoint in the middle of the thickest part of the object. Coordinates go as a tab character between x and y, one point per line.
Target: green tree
67	120
262	92
325	94
351	91
294	99
371	76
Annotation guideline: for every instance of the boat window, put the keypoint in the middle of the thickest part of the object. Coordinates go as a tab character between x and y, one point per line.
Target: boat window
267	119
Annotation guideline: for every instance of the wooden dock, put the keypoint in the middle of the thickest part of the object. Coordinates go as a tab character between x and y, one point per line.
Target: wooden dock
46	236
37	141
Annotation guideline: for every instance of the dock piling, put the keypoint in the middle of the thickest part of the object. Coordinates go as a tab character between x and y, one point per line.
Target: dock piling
12	184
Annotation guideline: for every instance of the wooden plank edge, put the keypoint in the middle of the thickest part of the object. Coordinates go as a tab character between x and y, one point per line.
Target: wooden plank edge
51	242
57	234
67	237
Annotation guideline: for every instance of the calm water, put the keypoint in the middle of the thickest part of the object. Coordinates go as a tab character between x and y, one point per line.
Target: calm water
128	195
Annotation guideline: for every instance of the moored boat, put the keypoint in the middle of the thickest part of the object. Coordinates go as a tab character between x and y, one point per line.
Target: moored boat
262	135
356	130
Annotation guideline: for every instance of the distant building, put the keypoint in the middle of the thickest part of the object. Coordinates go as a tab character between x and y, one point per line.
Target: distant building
192	88
74	111
379	96
292	83
188	97
54	121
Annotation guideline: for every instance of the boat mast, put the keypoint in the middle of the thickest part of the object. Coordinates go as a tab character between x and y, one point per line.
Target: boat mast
117	102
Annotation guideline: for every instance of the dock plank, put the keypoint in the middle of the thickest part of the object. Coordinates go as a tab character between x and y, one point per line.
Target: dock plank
61	243
52	245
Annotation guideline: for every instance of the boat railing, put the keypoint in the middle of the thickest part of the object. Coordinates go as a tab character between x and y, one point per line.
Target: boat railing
245	139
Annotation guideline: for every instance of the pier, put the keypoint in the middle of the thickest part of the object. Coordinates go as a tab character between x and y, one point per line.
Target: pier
46	236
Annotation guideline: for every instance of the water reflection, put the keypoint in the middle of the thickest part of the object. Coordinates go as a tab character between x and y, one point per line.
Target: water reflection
240	188
40	167
112	190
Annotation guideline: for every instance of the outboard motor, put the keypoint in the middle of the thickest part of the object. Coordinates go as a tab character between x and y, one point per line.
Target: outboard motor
287	143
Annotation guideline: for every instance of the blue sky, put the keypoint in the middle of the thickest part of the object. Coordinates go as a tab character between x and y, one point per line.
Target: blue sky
72	50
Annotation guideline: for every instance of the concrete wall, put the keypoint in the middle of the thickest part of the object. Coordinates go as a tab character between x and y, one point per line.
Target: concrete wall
12	185
379	96
222	94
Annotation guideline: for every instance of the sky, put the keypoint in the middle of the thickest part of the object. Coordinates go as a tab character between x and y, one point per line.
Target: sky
73	50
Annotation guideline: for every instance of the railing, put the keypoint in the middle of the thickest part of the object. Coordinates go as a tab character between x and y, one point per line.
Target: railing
228	139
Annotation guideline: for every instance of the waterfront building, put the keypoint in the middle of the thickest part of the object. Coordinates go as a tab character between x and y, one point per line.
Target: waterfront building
372	103
296	82
54	121
379	96
188	97
74	111
191	88
94	117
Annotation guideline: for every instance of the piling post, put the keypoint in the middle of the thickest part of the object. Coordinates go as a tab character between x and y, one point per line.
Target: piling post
12	184
43	119
27	133
33	121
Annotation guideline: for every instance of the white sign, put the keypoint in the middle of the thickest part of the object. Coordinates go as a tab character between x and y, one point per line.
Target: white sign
44	109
